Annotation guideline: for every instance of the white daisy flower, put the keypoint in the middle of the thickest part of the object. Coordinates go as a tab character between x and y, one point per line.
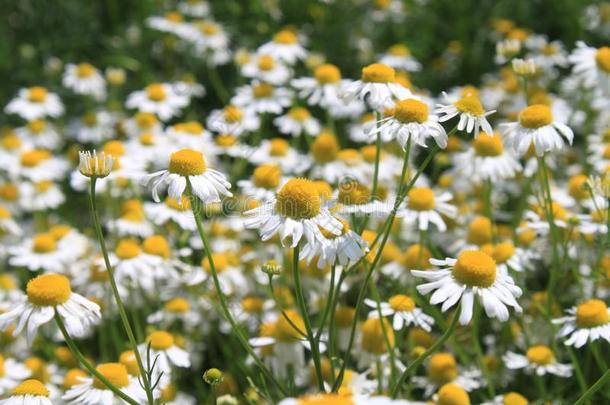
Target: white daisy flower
177	309
399	57
91	390
297	121
41	134
264	183
207	184
510	398
586	322
442	369
323	89
176	211
472	273
296	211
508	256
173	23
284	47
233	120
35	103
30	392
188	135
536	125
40	164
85	79
539	360
46	295
377	86
279	152
410	120
158	98
267	69
142	123
194	8
212	42
164	352
8	226
13	373
473	117
403	311
41	252
41	195
355	198
93	127
262	97
345	399
423	206
592	65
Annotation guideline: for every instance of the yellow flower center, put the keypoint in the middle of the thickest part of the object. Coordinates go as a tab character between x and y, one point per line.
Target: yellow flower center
535	116
540	355
592	313
145	120
156	245
225	140
262	90
9	192
513	398
37	126
421	199
502	252
174	204
232	114
156	92
59	231
352	192
344	316
114	148
373	340
602	58
470	90
209	28
11	141
168	393
187	162
475	269
127	249
221	261
98	273
278	147
48	290
326	399
89	119
31	387
284	331
177	305
116	373
299	114
577	187
298	199
189	128
267	176
452	394
85	70
160	340
252	305
402	303
266	62
416	257
488	145
327	74
479	231
329	235
147	139
399	50
470	104
174	17
34	157
37	94
73	377
442	368
325	148
378	73
411	110
285	37
128	359
44	243
7	282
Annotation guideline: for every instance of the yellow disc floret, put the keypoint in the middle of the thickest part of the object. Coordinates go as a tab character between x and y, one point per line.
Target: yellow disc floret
85	70
401	303
327	74
34	157
452	394
378	73
115	373
267	176
127	249
352	192
298	199
325	148
232	114
262	90
48	290
592	313
470	104
285	331
156	245
285	37
177	305
326	399
31	387
487	145
479	231
475	269
160	340
421	199
278	147
73	377
540	355
411	110
514	398
535	116
602	58
442	368
187	162
373	340
44	243
37	94
156	92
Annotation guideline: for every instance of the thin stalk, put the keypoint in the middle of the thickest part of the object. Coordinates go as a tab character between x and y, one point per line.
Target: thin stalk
594	388
328	305
223	300
477	347
582	383
418	361
384	331
82	360
117	296
377	156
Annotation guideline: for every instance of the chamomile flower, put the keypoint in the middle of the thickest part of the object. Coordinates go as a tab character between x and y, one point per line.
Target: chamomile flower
211	42
536	125
177	309
343	398
188	135
41	134
538	359
472	273
279	152
323	89
159	98
172	22
41	252
164	352
85	79
262	97
35	103
423	207
399	57
443	369
30	392
592	65
194	8
410	120
473	117
585	323
8	226
297	121
92	127
373	345
40	164
207	184
296	211
41	195
172	211
142	123
267	69
12	373
355	198
508	256
285	47
510	398
233	120
91	390
377	86
401	308
264	182
47	295
132	221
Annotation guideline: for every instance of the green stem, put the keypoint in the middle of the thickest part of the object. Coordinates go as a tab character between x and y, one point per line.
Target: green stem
117	296
582	383
386	339
377	157
81	359
594	388
416	363
223	300
479	351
